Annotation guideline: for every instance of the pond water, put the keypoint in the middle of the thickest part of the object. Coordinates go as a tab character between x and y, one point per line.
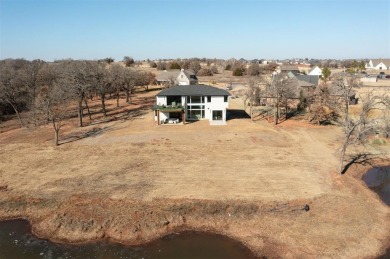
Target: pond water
378	180
16	241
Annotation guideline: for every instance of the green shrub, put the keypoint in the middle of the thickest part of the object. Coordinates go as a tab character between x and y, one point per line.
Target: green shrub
237	72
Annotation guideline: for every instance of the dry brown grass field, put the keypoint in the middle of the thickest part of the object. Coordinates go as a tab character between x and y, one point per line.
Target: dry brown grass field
129	177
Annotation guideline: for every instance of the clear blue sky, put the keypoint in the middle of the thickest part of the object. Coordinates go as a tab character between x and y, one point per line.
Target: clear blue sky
93	29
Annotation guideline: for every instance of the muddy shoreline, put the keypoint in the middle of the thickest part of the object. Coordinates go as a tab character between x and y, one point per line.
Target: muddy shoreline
138	228
178	245
144	222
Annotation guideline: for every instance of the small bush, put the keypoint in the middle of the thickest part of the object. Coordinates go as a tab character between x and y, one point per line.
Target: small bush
205	72
174	65
238	72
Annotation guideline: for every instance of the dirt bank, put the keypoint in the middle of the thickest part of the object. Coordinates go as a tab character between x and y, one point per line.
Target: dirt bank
351	222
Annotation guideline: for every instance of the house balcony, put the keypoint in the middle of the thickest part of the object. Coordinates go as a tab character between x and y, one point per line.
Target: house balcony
169	108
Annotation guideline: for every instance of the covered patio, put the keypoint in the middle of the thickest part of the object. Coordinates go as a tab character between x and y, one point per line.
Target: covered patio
169	115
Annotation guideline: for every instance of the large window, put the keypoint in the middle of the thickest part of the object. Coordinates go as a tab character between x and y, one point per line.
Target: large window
195	109
217	115
194	99
195	114
173	100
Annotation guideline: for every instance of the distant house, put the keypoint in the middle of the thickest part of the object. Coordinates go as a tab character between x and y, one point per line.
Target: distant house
191	102
378	64
177	77
305	80
289	68
315	71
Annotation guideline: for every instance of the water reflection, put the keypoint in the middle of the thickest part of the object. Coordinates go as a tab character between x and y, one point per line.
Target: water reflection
16	241
378	179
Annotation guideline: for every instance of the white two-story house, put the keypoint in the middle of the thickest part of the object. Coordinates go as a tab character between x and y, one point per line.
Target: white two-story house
178	77
191	102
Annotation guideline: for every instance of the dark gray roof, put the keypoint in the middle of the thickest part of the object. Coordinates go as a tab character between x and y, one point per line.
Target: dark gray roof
193	90
308	78
305	80
171	75
305	84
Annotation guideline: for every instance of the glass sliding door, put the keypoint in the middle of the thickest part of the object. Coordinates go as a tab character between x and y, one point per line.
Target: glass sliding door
195	107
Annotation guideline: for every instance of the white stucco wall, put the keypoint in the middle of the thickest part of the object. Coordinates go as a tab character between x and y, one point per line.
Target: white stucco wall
368	79
217	103
369	64
316	71
380	66
182	79
161	100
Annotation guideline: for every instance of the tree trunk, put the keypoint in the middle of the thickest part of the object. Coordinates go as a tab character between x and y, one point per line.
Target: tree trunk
276	111
103	97
342	155
251	111
56	137
286	109
17	114
346	110
80	112
56	132
117	99
127	94
86	105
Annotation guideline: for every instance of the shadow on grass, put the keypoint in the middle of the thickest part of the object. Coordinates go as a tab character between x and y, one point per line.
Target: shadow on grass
364	159
118	115
82	135
236	114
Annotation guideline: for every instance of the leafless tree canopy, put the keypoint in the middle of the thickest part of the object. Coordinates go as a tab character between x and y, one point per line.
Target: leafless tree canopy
47	90
280	90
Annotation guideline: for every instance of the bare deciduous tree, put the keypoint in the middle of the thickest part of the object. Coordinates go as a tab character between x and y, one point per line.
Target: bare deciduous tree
281	89
322	105
252	94
129	80
77	76
116	78
100	83
358	128
195	66
53	101
11	91
343	85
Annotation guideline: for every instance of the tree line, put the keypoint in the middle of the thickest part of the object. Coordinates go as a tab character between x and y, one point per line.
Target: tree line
48	91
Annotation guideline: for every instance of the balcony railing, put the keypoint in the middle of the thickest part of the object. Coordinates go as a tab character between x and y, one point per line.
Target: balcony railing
176	107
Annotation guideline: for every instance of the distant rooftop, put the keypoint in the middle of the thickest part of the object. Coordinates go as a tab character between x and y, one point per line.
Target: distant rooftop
385	61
